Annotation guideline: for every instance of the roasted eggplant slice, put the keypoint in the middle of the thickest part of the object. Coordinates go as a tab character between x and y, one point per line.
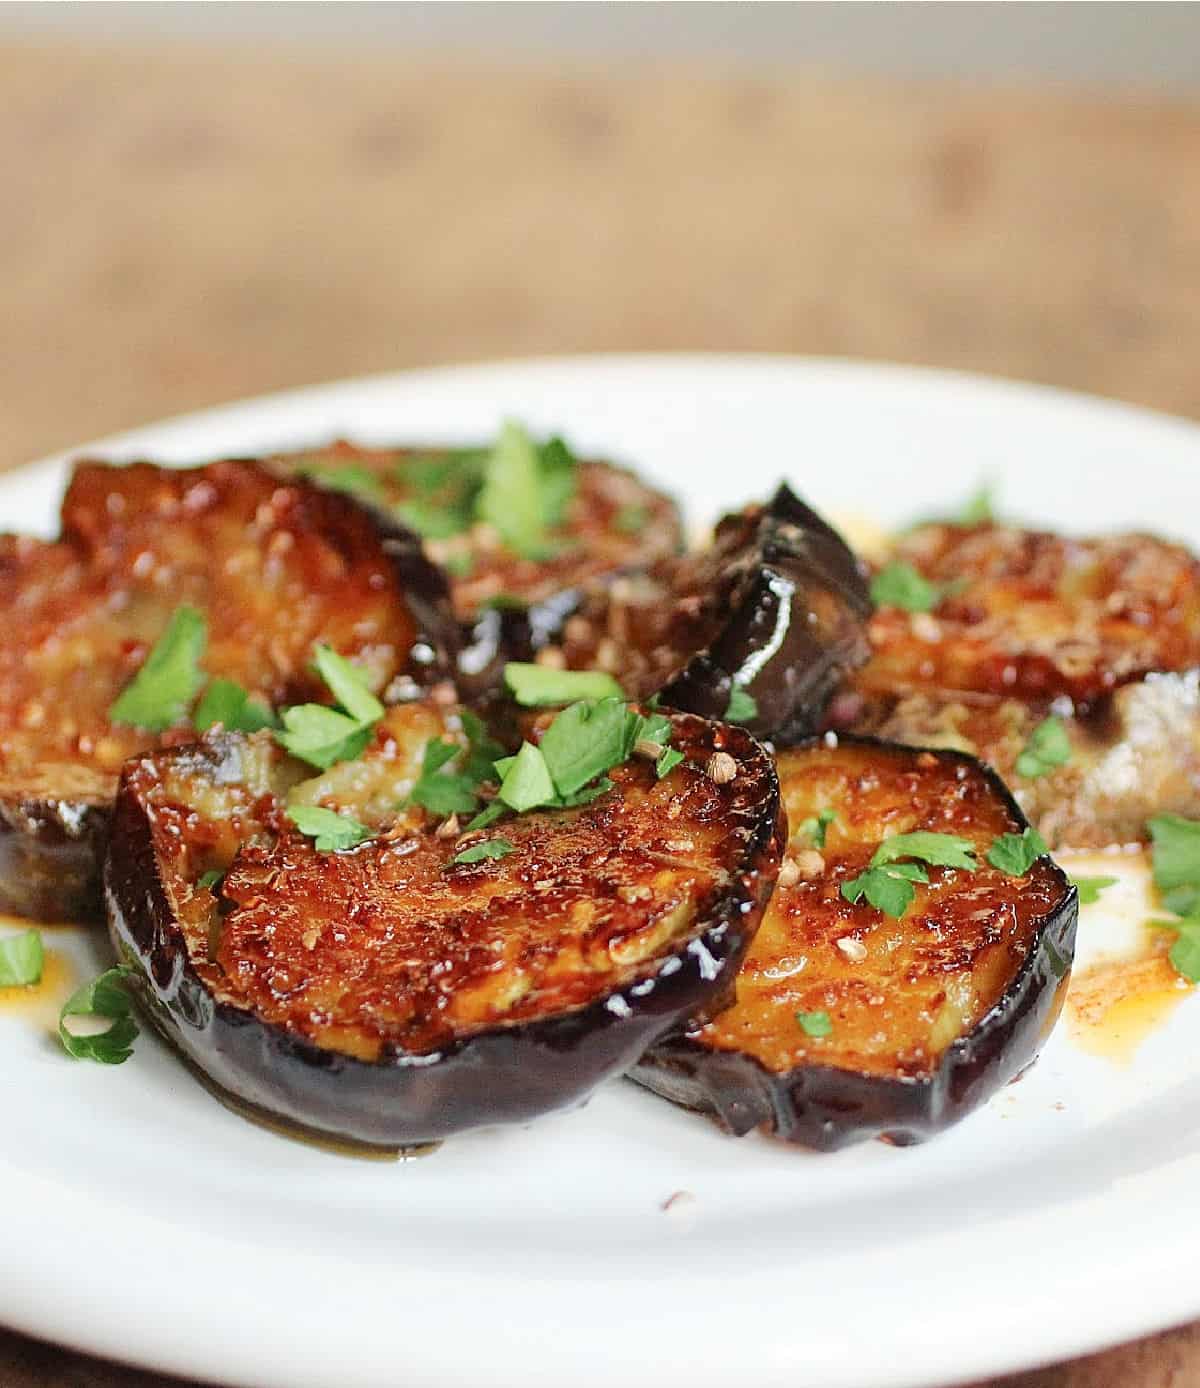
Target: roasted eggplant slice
420	983
775	607
512	590
850	1023
1102	635
272	567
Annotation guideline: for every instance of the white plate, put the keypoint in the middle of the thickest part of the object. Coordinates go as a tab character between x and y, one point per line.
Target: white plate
144	1221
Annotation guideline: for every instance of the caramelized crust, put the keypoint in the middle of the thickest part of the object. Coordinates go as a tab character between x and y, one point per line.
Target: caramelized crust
927	978
1034	615
614	521
274	567
928	1013
393	947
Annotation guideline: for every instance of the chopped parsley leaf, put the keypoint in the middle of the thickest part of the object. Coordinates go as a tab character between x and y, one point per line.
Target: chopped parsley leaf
161	692
741	707
814	1024
332	832
228	703
1089	888
444	792
103	997
1185	952
817	826
355	478
887	882
900	585
1049	746
526	782
667	763
535	686
1015	854
478	852
21	959
1175	856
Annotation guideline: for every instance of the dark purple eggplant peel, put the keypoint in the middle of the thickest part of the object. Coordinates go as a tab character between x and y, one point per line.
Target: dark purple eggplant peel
389	996
850	1024
776	608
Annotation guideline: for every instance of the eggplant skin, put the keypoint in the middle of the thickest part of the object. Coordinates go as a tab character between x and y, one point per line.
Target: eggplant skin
828	1107
51	852
501	1074
776	606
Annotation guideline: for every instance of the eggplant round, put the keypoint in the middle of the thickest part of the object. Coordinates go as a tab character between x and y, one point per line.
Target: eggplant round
851	1024
1102	633
274	567
776	607
390	996
509	605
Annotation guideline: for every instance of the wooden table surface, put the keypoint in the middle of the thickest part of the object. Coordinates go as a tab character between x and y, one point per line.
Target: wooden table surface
180	227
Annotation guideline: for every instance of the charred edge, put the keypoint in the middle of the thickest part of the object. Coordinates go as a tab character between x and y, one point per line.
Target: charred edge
826	1107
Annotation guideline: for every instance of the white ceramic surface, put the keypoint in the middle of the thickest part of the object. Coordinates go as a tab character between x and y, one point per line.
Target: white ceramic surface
144	1221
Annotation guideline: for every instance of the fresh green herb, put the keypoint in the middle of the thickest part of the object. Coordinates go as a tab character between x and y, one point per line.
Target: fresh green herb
482	749
459	565
938	850
742	707
584	741
887	882
1175	856
488	815
431	520
667	763
889	889
210	879
332	832
228	703
557	466
1015	854
526	781
815	1024
979	507
21	959
510	499
630	519
1089	888
900	585
1049	746
587	794
355	478
535	686
321	736
1185	952
443	792
489	848
170	678
817	826
104	997
348	685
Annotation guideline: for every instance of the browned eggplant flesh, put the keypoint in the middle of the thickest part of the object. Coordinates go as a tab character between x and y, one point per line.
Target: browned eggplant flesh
850	1021
595	518
1102	635
428	979
270	568
772	615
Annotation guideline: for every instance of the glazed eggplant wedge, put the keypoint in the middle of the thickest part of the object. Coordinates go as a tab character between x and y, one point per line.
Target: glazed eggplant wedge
335	952
1068	664
169	586
522	527
760	627
913	959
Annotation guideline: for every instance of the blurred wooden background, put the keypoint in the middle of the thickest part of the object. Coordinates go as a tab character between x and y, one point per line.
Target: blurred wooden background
180	227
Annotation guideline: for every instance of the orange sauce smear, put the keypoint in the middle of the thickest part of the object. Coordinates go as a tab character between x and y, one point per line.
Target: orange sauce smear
1114	1004
42	1001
